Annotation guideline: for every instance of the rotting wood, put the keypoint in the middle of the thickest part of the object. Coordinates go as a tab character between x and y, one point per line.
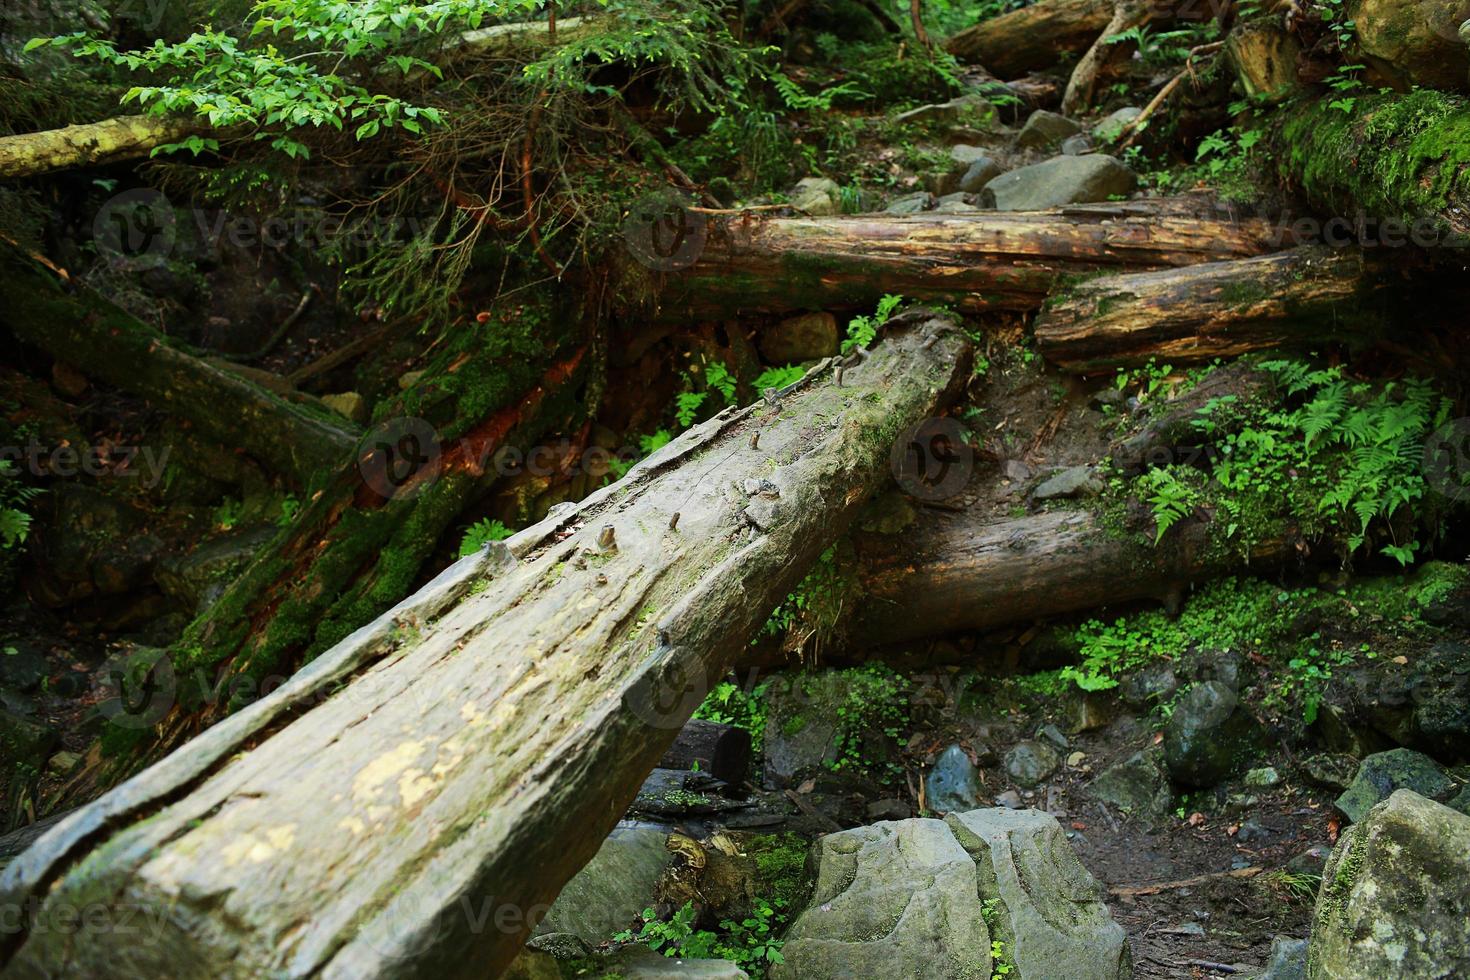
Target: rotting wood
1033	37
447	768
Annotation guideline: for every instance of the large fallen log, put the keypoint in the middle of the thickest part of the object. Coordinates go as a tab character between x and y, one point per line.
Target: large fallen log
985	261
951	572
297	440
1033	37
409	803
1221	309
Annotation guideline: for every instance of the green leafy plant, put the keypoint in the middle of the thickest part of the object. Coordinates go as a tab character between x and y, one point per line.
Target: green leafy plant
863	330
687	405
228	513
290	507
720	379
481	533
15	501
779	377
749	943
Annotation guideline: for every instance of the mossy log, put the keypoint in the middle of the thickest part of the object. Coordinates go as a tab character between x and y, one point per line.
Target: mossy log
408	804
992	260
1397	167
360	541
1033	37
946	573
297	440
1220	309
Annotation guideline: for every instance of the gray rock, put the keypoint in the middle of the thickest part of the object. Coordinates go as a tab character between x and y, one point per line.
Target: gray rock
980	172
925	898
911	203
1461	801
560	945
1288	960
1011	800
889	809
1075	146
1210	736
1311	861
1393	901
1263	778
1148	685
952	784
1330	770
1074	481
1137	785
22	665
971	110
966	155
956	204
641	963
816	195
1045	129
1110	127
801	726
1251	830
799	338
1381	774
1016	471
608	894
1029	762
201	576
1059	181
1053	734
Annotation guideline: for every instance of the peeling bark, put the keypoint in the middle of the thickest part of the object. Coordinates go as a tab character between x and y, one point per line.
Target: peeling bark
1033	37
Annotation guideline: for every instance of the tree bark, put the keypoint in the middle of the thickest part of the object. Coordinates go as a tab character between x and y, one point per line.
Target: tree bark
445	770
986	261
1391	168
292	438
1033	37
1221	309
951	572
1080	87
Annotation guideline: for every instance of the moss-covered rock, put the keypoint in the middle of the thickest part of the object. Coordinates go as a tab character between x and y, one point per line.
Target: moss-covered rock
1381	774
1210	735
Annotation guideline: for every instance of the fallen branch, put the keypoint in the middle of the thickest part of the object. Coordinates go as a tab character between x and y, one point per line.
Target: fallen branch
1130	891
1033	37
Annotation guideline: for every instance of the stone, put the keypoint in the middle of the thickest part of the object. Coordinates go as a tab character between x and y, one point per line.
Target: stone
1415	40
1017	471
63	762
1148	685
560	945
1288	960
1075	146
965	154
969	110
1030	762
1420	704
1210	736
1263	778
1059	181
1311	861
1011	800
349	405
817	195
533	964
952	785
1330	770
799	338
1461	801
408	379
926	898
1074	481
1382	773
1051	733
889	809
1137	785
980	172
22	665
801	726
1251	830
911	203
638	962
1393	901
1044	130
608	895
1076	759
1110	127
198	577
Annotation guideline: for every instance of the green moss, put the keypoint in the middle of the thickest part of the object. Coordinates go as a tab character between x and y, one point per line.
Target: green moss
782	871
1332	903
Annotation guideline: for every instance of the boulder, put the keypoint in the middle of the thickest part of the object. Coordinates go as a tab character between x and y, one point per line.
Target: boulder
1288	960
22	665
1420	704
1415	41
817	195
911	203
801	725
1393	901
1149	685
1330	770
641	963
799	338
952	785
927	898
1110	127
981	171
1137	785
200	576
609	894
349	405
1210	736
965	154
1030	762
1076	145
1058	181
1074	481
1381	774
1044	130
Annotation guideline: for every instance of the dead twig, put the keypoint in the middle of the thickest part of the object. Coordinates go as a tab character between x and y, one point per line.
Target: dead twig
1165	886
1135	128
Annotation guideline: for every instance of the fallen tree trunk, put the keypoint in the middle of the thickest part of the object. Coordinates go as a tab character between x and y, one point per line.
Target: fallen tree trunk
1033	37
446	769
951	572
986	261
1390	171
288	437
1220	309
132	137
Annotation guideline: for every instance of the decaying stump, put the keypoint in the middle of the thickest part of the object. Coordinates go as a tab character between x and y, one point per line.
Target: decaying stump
447	768
1220	309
